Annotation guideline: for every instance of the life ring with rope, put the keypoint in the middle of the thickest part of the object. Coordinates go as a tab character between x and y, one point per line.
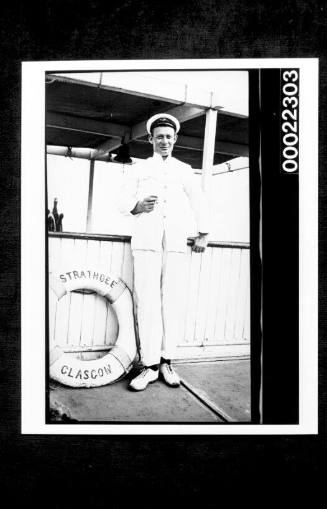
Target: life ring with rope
118	362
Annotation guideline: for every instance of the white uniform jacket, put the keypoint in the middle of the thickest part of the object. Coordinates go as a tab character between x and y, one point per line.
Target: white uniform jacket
173	182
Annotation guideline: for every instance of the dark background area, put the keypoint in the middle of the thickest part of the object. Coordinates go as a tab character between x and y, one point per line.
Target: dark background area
280	264
100	471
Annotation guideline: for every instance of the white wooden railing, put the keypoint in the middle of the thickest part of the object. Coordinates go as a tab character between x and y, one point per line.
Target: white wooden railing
217	298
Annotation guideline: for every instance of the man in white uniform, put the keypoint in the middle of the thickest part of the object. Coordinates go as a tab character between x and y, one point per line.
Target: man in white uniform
155	193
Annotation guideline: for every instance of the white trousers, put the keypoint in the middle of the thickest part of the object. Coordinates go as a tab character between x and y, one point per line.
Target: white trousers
159	291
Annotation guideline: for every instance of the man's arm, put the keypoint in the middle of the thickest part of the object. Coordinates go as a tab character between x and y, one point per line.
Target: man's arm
199	204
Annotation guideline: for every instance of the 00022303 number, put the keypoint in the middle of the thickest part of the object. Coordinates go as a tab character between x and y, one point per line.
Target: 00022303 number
290	121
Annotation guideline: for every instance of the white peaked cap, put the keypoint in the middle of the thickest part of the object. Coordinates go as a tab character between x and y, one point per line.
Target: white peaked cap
170	120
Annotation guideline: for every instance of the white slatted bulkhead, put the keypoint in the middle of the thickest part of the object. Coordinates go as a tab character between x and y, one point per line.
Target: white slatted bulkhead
216	303
86	321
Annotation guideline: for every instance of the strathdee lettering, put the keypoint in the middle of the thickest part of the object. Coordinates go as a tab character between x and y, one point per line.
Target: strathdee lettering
88	275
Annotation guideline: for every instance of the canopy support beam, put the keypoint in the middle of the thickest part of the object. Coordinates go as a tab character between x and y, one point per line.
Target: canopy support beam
209	147
90	199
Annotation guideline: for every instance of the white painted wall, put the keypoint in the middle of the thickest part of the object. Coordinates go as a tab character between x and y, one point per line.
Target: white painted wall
68	181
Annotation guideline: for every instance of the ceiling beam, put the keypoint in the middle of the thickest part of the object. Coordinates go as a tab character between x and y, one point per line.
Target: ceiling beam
112	144
232	113
86	125
107	146
221	147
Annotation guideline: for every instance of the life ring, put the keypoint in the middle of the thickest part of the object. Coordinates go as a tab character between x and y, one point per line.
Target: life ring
118	362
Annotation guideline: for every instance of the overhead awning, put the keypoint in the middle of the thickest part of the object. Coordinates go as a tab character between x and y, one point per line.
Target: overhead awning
101	111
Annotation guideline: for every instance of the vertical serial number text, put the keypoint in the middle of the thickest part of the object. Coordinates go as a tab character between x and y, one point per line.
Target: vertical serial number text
290	121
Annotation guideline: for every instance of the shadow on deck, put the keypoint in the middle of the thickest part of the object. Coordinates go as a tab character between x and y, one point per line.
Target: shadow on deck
215	391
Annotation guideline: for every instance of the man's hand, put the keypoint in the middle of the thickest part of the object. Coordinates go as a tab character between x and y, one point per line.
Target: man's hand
200	243
145	205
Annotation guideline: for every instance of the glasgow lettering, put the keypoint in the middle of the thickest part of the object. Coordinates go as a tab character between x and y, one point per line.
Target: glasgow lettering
85	374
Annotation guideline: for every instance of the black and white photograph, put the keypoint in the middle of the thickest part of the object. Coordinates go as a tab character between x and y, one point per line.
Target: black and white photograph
157	239
148	208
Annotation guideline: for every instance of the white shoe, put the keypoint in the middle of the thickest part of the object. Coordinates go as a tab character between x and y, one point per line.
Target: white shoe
141	381
169	375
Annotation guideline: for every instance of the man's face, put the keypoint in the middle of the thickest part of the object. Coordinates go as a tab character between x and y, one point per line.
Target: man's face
163	140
